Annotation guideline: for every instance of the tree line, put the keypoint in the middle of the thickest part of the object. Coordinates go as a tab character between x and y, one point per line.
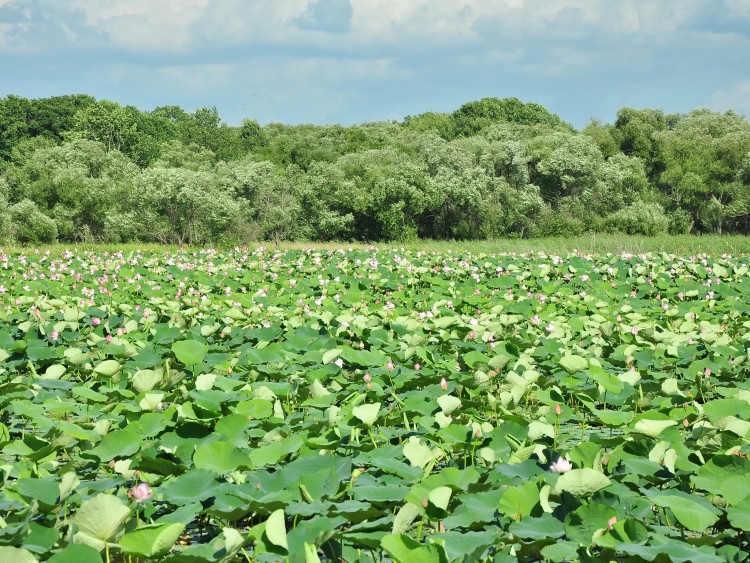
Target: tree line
73	168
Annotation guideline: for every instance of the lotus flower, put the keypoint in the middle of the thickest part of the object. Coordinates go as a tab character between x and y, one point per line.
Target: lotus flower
140	492
561	466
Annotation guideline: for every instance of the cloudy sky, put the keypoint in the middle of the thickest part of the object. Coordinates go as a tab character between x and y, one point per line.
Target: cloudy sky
351	61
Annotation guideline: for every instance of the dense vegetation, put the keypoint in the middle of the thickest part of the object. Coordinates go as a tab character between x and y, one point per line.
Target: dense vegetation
370	405
76	169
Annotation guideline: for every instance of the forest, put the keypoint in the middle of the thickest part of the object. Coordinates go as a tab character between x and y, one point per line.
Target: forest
77	169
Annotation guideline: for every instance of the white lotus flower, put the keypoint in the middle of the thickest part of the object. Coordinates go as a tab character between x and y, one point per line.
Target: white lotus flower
561	466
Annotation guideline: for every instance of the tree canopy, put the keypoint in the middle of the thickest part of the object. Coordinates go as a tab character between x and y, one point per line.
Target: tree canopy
73	168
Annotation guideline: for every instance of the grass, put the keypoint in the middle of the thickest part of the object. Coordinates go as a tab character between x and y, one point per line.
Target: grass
589	244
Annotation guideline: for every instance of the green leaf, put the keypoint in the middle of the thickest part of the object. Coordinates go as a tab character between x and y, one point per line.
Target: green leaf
189	352
40	539
55	371
100	520
440	497
518	502
195	485
691	514
276	529
417	453
561	551
118	443
146	380
448	403
331	355
403	548
76	553
255	408
739	516
151	540
108	368
653	428
220	457
404	518
581	482
628	531
368	414
583	524
311	553
539	528
572	363
46	491
16	555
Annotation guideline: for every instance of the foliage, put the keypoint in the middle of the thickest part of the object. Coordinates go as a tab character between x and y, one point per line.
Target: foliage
492	168
472	117
371	403
29	225
639	218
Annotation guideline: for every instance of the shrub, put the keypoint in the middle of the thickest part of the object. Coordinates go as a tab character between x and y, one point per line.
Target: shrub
639	218
557	224
31	225
680	222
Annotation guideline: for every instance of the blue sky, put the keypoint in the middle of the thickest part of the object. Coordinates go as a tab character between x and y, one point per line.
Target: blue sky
352	61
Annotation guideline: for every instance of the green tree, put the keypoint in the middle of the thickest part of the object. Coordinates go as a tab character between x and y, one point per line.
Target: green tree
604	136
174	205
472	117
564	165
31	226
50	118
636	130
441	123
75	183
703	156
252	135
268	201
205	128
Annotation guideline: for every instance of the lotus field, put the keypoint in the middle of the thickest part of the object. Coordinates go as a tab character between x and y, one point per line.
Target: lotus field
373	405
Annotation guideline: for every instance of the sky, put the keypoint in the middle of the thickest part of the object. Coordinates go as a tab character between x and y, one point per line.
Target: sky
356	61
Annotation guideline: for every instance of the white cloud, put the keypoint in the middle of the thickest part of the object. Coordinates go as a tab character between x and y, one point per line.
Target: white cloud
735	97
144	24
739	8
320	60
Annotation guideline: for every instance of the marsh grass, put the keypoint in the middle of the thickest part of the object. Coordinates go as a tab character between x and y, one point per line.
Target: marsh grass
714	245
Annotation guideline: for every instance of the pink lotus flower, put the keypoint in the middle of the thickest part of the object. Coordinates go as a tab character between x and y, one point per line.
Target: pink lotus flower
561	465
611	522
389	365
367	378
558	410
140	493
443	384
96	321
53	335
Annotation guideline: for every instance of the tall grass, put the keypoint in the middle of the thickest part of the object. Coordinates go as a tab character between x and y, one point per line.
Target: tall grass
588	244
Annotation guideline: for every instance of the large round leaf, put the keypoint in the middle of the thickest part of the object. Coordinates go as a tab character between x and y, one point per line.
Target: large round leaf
153	540
100	520
220	457
691	514
368	414
189	352
581	482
